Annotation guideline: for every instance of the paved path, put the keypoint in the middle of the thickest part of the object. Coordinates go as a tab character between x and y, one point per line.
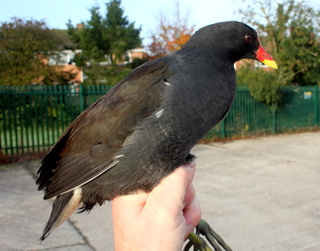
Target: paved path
258	194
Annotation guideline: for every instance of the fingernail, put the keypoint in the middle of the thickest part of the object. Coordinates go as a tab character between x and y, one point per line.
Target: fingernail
192	164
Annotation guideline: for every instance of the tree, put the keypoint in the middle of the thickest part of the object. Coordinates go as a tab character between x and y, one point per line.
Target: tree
25	47
170	34
291	32
111	35
121	34
64	39
263	85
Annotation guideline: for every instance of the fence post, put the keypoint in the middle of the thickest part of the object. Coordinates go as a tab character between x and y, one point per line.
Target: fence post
316	105
274	121
223	128
81	97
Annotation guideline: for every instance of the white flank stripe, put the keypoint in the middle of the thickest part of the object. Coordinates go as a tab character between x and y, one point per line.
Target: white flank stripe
159	113
98	174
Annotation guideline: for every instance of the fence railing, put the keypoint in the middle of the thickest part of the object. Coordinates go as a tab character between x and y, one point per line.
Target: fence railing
32	118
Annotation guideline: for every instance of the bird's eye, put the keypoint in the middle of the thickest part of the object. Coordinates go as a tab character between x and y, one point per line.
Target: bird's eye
248	38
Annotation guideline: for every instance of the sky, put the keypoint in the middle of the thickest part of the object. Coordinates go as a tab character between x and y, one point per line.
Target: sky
144	13
56	13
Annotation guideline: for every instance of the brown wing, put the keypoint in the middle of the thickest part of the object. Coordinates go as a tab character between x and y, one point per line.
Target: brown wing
88	146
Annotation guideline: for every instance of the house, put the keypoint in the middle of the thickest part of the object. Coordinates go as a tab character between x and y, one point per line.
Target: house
128	57
63	62
64	57
136	53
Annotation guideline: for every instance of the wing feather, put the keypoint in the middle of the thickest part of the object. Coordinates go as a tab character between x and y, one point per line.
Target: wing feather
88	146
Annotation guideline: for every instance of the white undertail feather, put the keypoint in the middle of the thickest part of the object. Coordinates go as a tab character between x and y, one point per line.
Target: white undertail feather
74	204
63	207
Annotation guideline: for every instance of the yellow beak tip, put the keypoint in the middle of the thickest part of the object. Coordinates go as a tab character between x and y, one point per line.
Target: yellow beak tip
270	63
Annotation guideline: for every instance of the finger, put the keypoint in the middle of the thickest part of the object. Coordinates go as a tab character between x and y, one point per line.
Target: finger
189	195
192	215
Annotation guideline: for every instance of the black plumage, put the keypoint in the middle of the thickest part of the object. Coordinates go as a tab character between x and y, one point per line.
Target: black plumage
145	127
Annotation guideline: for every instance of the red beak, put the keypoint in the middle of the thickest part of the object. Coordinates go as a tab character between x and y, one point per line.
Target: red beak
265	58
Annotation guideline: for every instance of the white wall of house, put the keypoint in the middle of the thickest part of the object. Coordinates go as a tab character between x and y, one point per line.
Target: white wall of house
63	57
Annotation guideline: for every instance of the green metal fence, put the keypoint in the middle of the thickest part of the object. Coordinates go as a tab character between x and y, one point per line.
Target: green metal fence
32	118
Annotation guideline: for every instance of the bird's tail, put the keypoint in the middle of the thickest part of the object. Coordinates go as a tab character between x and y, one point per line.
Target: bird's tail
63	207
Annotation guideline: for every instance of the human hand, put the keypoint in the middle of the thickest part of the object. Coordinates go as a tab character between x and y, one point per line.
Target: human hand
161	219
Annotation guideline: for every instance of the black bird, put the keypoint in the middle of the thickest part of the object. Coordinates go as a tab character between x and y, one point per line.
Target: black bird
144	128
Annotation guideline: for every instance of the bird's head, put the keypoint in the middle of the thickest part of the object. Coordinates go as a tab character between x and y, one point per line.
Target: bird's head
234	40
